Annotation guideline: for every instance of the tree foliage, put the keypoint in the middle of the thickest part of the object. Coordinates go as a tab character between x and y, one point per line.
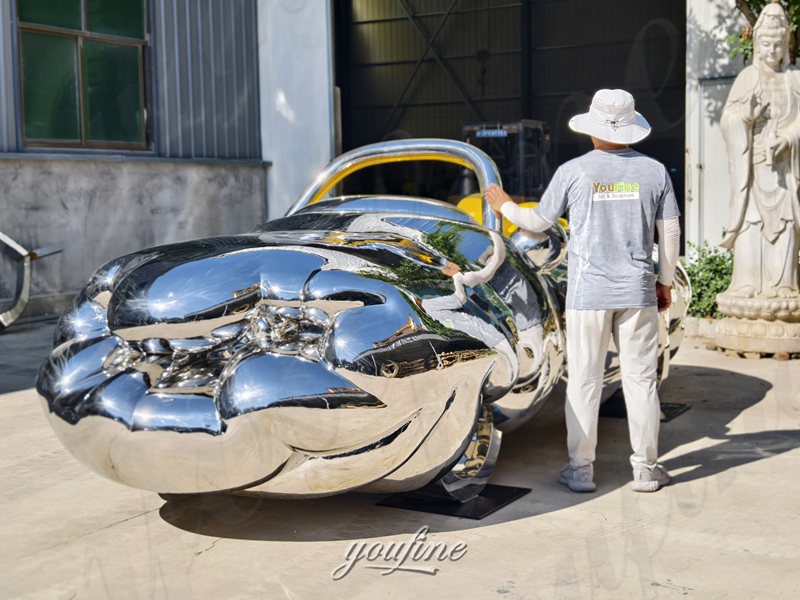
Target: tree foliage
742	43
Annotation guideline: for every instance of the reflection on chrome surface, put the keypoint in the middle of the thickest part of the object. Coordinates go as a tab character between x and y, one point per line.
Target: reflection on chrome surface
371	343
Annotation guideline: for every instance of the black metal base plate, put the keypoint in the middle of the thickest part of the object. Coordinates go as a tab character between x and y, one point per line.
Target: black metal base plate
491	499
614	407
670	410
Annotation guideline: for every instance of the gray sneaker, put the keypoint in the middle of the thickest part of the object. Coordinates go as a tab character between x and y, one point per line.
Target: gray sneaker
645	480
578	479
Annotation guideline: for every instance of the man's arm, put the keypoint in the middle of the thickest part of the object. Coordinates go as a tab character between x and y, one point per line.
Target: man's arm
525	218
669	236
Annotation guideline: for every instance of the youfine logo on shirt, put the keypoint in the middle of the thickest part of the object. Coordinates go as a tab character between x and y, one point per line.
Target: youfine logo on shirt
618	190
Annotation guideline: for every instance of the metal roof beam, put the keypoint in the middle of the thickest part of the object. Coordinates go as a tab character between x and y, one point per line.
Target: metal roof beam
442	62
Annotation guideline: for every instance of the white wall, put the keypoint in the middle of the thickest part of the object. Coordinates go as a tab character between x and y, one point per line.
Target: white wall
709	74
295	51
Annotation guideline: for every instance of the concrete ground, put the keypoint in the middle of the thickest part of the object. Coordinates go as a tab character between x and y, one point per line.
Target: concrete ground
728	527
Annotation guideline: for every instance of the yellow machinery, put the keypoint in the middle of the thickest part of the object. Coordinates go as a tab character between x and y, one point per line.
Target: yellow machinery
521	151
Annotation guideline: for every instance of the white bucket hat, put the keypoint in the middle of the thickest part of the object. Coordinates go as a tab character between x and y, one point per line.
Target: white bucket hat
612	118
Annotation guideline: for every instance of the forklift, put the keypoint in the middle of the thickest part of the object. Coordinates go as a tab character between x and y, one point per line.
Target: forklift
521	151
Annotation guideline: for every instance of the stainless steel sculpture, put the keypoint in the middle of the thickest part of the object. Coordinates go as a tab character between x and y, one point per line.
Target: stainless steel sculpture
22	294
370	343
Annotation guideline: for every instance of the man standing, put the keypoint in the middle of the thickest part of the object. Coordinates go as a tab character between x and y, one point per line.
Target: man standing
616	198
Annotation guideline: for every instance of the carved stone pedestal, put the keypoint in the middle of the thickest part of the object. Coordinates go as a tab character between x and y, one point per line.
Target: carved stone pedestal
766	325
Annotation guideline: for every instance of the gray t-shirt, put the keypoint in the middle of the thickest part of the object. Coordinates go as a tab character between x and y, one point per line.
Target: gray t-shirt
614	198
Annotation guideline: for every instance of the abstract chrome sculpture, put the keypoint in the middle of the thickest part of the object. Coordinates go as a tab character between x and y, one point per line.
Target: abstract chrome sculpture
370	343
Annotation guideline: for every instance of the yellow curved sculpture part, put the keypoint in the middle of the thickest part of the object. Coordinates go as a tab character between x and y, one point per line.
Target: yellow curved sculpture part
382	160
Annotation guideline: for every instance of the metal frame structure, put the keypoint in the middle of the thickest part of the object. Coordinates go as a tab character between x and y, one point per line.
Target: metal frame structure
23	287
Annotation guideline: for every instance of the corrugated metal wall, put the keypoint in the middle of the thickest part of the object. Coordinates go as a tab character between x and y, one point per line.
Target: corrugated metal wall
205	54
385	47
8	132
205	78
644	53
575	47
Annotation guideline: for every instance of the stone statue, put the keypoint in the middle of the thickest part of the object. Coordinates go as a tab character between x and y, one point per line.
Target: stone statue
761	126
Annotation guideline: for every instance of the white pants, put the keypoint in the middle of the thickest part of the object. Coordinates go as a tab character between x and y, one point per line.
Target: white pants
635	333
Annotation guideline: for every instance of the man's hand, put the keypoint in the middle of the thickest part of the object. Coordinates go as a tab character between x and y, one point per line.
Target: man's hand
663	296
450	269
496	197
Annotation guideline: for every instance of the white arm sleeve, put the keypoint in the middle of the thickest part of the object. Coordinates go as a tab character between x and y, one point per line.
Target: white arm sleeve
669	239
525	218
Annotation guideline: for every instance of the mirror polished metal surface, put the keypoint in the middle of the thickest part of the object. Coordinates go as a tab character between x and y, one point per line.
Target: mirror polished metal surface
360	343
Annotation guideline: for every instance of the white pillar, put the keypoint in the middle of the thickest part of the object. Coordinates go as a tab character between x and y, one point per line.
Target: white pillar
709	74
295	52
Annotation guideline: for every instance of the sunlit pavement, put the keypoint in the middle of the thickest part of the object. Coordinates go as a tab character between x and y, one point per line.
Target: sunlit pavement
727	527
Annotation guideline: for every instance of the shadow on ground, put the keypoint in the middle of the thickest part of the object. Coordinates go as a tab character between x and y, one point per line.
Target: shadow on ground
530	457
23	348
717	397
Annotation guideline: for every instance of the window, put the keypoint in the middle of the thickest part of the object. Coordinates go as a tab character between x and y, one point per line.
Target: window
82	68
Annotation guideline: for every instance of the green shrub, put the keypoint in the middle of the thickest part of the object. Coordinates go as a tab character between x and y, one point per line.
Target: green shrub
710	272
